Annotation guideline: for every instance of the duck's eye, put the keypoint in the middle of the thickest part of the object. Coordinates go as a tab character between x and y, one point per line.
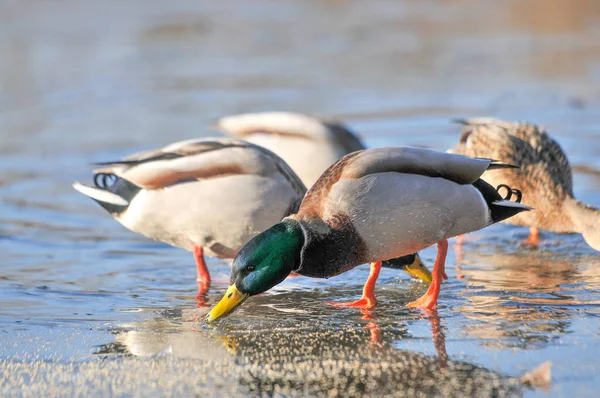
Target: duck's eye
250	267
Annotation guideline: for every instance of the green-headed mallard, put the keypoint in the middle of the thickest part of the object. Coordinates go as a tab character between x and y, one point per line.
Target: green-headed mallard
370	206
543	176
309	145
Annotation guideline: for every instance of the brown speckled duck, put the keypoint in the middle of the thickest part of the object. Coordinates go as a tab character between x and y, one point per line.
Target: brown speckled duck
543	176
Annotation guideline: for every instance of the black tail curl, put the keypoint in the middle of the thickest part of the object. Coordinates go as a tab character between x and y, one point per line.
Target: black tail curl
498	204
119	186
105	180
510	192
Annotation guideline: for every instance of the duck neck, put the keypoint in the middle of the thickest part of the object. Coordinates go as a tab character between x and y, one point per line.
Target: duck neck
586	220
329	250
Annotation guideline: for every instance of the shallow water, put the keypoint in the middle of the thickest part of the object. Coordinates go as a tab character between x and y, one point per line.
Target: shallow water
90	308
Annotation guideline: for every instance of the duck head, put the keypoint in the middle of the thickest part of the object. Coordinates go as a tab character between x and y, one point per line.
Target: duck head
265	261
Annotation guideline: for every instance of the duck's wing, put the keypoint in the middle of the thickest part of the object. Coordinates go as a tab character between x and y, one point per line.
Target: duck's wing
345	138
275	123
289	124
172	151
526	145
117	183
420	161
180	162
198	159
407	160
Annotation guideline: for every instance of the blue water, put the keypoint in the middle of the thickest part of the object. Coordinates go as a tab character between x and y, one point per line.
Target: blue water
91	81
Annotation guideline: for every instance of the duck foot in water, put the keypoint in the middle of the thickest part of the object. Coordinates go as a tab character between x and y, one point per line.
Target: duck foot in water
429	299
533	240
368	299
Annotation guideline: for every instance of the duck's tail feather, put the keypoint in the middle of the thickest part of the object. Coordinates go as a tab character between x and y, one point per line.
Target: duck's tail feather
114	197
495	166
516	205
100	195
459	120
503	209
480	121
539	377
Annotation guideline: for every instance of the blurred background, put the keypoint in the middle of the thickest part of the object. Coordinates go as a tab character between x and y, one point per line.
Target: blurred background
76	75
85	81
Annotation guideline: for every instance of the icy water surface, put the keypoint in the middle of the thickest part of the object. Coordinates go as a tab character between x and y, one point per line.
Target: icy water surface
88	308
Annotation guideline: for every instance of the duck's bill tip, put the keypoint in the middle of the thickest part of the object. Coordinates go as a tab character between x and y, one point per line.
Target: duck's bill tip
419	271
232	299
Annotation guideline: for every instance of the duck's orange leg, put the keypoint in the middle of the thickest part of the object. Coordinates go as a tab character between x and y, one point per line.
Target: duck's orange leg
368	297
429	299
534	237
203	278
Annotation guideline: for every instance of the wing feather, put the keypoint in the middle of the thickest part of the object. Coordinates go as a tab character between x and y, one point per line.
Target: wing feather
420	161
407	160
198	159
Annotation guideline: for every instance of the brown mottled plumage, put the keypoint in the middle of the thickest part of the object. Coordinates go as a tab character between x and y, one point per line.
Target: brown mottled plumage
544	175
313	201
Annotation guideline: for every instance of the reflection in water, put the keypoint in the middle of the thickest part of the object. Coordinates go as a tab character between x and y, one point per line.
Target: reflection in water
526	298
165	336
313	358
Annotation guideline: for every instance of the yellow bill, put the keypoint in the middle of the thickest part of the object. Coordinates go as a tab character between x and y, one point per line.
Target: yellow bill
232	299
418	270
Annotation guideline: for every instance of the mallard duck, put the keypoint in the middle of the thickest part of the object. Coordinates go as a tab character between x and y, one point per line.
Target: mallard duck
209	196
372	205
543	176
307	144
